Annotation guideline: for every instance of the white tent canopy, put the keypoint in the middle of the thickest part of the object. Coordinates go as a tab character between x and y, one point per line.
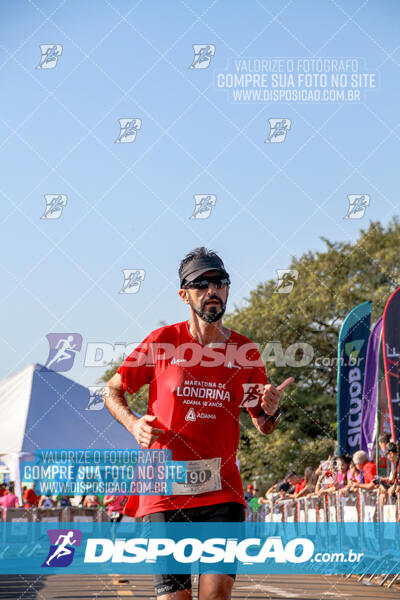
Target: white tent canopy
42	409
15	394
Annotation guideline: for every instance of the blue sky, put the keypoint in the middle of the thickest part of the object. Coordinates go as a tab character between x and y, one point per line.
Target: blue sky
129	205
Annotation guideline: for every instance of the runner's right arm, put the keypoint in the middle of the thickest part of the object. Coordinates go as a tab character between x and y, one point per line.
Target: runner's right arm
139	427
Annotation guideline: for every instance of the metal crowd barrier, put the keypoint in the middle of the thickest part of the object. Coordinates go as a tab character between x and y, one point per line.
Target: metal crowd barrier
47	515
356	507
361	506
32	538
67	514
19	515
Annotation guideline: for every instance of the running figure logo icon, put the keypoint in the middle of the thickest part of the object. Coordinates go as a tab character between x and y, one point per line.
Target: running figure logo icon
128	130
54	205
202	56
286	280
203	205
96	397
357	206
132	281
62	547
50	55
252	393
62	350
278	129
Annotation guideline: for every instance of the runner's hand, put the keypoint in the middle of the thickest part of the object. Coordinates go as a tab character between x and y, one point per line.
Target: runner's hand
144	433
271	396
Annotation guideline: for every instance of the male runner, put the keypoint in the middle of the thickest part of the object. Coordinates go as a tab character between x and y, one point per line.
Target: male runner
200	374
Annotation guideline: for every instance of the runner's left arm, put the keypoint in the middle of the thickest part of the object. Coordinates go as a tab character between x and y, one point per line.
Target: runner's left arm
269	413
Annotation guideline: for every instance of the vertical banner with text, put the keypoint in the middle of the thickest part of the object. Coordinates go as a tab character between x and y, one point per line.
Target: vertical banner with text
352	349
370	392
391	359
382	413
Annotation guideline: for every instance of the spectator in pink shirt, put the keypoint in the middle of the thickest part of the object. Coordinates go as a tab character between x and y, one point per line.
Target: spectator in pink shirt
342	465
9	500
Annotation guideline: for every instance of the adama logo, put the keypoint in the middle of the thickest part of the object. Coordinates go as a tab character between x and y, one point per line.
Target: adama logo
190	415
62	547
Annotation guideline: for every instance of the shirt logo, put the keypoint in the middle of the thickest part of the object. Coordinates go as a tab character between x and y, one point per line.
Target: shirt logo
190	415
62	547
252	393
232	366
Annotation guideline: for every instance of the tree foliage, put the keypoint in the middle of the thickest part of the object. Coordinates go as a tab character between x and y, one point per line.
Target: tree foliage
330	283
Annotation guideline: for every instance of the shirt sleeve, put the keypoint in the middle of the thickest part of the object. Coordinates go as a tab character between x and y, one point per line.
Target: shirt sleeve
138	367
256	382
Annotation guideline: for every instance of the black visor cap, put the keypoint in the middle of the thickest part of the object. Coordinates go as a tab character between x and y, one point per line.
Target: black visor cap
201	265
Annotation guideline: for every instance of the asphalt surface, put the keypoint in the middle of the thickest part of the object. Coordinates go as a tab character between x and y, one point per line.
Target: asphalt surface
90	587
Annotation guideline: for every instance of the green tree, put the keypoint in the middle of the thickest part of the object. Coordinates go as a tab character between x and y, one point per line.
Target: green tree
330	283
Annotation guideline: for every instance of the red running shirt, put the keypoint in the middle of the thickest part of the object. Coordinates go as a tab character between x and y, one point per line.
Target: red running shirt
196	392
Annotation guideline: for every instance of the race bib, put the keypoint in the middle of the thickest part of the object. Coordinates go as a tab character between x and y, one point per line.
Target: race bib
201	476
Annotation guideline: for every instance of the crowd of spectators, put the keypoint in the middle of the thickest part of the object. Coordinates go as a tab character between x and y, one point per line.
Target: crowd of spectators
342	474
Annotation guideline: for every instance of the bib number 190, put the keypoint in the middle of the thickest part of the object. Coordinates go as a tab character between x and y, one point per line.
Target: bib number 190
202	476
198	477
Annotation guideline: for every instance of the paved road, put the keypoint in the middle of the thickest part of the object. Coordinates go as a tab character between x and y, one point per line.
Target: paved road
273	587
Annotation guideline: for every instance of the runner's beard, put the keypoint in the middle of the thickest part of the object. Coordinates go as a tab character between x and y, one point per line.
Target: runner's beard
209	314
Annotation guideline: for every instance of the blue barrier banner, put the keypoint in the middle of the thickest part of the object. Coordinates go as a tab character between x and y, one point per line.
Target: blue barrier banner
114	472
251	548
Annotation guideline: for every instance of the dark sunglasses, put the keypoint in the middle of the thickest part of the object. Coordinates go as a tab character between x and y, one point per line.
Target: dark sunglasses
202	284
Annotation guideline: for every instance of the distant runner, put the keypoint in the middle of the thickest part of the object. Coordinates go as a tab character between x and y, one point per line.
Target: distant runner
200	374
